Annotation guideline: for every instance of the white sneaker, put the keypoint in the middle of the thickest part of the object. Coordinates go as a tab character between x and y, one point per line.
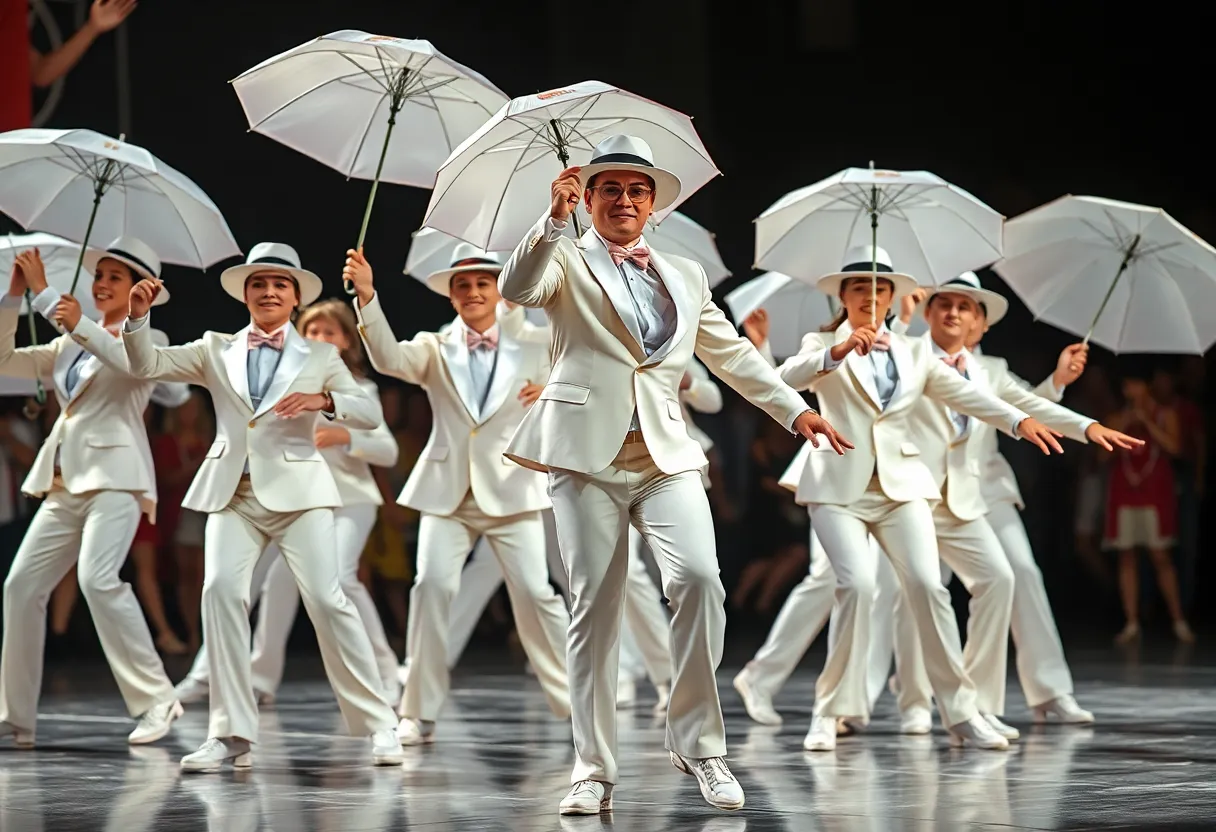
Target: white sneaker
822	736
21	737
664	691
587	797
916	721
190	690
157	722
1066	709
1007	731
978	732
415	732
386	748
212	755
626	692
756	700
718	786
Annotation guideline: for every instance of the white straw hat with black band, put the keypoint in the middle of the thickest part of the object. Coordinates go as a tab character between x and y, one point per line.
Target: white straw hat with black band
630	153
968	283
135	255
865	262
465	258
272	258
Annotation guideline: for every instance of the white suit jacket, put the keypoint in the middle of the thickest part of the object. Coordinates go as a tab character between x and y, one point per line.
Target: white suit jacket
464	451
848	398
100	433
957	462
351	466
286	471
601	372
997	481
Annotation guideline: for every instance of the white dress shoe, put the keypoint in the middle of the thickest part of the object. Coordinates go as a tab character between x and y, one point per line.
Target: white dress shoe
756	700
21	737
386	748
718	786
1064	708
1007	731
663	689
189	691
979	733
157	722
916	721
415	732
212	755
587	797
626	692
822	736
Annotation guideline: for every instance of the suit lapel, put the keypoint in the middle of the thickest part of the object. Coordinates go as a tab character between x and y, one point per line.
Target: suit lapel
456	357
510	353
236	365
860	367
295	355
677	286
63	362
903	369
596	256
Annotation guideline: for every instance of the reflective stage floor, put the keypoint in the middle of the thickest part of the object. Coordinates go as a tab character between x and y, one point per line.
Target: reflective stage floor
501	763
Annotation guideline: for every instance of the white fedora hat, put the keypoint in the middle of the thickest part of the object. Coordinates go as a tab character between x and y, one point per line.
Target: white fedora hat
272	258
623	152
135	255
465	258
968	283
860	262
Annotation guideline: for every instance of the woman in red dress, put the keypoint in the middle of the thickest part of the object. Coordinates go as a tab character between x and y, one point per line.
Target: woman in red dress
1141	506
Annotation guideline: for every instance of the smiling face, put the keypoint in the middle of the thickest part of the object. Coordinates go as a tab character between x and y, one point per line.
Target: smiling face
112	282
610	200
858	299
951	317
475	298
271	297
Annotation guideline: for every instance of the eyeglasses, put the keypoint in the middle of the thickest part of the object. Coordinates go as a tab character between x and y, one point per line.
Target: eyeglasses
637	193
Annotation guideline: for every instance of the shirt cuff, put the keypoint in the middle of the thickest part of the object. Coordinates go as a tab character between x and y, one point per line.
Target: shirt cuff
553	229
135	324
44	302
830	363
790	426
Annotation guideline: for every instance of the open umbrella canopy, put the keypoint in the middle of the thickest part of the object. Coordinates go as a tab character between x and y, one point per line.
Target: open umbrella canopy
793	308
1128	277
59	257
493	188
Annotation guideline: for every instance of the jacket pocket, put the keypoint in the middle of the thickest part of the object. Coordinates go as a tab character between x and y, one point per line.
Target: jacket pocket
909	449
564	391
673	410
107	441
301	453
216	450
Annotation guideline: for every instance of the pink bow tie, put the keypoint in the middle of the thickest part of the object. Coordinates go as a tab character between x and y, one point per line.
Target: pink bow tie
487	340
883	342
958	361
640	255
275	342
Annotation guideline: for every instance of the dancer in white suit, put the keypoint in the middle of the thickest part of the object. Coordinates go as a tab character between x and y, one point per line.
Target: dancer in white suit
95	471
263	481
609	430
870	380
350	454
480	382
981	482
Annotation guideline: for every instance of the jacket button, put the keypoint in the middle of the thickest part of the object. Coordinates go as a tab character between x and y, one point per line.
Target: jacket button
252	424
473	432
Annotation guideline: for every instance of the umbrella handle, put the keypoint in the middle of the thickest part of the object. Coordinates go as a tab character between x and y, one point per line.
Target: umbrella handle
564	157
873	253
99	188
1127	259
397	101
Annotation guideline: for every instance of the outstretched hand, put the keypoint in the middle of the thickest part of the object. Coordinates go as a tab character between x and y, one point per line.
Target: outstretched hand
810	423
1044	437
1110	439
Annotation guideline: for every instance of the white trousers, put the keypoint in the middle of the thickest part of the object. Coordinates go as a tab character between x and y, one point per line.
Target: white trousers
540	615
280	599
593	514
235	540
1042	668
906	533
94	531
805	612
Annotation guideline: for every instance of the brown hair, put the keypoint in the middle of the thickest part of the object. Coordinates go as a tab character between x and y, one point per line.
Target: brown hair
342	315
842	314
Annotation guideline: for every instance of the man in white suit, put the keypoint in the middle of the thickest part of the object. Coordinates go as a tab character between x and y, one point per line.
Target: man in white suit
609	430
480	381
263	481
96	474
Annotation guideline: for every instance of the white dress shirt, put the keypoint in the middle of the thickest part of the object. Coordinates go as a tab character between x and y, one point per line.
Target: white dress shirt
260	367
482	363
886	376
652	303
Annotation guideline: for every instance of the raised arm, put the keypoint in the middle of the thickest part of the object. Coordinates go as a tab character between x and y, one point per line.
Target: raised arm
812	360
36	361
409	361
146	360
534	274
701	394
948	387
64	312
354	407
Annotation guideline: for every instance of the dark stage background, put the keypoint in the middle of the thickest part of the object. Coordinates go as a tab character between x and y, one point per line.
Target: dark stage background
1017	102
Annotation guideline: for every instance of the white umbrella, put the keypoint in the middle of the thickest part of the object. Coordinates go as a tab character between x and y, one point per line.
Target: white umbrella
370	106
59	256
793	308
1129	277
487	192
933	230
431	249
86	186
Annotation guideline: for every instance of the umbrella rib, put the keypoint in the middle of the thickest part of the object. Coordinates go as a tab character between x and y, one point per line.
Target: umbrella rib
363	138
341	79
